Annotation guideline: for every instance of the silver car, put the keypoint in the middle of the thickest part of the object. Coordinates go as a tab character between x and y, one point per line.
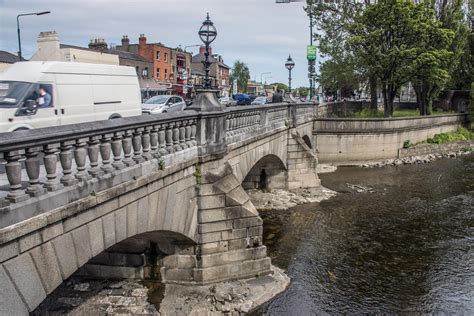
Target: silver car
163	104
259	101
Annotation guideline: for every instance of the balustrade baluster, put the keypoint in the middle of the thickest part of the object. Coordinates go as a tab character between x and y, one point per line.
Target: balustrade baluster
65	157
137	145
154	142
176	146
117	150
105	153
169	138
162	140
80	156
127	148
50	164
182	135
193	132
93	153
32	165
146	143
13	170
187	135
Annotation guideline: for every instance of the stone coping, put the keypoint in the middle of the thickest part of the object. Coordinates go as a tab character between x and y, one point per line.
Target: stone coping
378	119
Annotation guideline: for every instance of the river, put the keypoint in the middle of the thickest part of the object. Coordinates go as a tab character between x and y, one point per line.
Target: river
394	240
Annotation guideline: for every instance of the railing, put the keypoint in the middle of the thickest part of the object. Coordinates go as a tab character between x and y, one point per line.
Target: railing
89	150
50	159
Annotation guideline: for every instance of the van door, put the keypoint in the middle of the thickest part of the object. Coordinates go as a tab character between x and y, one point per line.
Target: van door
45	113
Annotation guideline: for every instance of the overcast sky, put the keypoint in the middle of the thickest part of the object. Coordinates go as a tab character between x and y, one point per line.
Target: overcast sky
261	33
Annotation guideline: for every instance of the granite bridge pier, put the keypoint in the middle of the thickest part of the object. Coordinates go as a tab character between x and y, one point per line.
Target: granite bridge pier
150	196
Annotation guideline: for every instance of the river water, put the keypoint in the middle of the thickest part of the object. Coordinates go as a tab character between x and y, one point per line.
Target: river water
394	240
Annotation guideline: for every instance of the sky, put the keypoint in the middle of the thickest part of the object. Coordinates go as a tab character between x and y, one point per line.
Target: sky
260	33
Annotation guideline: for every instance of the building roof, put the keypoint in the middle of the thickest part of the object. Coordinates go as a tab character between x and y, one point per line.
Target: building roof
199	58
8	58
120	53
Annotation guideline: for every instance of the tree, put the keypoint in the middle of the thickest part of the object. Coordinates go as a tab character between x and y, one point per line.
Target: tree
241	73
280	86
432	63
334	20
303	91
396	41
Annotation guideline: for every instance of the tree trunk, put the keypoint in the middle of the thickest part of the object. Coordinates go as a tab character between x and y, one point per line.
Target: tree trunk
386	109
373	93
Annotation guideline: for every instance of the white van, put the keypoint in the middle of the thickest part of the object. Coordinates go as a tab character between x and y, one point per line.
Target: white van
37	94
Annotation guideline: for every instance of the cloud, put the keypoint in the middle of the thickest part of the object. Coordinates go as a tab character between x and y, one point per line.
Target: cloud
258	32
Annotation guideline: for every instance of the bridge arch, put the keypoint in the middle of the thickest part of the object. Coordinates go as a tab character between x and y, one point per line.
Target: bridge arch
267	173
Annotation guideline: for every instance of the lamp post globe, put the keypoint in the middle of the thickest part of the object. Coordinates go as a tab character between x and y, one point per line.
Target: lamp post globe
290	64
208	34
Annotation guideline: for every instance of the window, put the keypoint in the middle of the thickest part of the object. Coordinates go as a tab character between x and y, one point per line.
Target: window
166	74
137	70
145	72
166	57
158	55
158	73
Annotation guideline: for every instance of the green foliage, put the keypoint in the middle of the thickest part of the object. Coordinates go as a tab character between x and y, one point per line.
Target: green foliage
459	135
241	73
280	86
337	75
161	164
303	91
407	144
368	113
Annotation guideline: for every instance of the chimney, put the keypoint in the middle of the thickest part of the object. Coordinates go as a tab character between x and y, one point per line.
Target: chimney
125	43
142	40
98	44
48	47
202	50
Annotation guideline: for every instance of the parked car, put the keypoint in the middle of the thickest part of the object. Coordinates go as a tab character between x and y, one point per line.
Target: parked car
242	99
260	101
163	104
37	94
224	100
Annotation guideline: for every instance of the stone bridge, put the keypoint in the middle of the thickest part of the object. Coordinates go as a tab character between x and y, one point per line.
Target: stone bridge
124	197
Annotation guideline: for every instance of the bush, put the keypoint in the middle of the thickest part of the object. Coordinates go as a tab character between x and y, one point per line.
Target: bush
407	144
460	135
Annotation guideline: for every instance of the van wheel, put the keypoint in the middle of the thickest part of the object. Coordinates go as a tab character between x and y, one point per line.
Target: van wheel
115	116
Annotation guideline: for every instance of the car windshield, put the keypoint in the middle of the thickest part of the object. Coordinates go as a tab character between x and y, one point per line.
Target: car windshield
261	99
12	93
159	99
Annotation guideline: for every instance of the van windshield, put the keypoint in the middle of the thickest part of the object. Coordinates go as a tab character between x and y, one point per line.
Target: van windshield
12	93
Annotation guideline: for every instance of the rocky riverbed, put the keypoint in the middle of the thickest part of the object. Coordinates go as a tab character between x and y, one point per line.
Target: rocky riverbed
414	159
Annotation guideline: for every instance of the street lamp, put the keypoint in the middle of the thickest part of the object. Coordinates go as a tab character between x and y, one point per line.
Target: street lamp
208	34
290	64
18	28
312	60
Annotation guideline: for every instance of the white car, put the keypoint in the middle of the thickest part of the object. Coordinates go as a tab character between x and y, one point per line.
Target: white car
163	104
259	101
224	100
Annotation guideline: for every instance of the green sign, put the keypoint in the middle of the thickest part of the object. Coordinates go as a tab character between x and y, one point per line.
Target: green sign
311	52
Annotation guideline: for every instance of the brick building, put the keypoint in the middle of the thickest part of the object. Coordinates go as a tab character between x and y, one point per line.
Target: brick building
219	71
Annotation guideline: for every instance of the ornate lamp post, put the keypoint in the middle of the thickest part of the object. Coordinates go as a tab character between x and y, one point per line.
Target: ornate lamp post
18	28
208	34
290	64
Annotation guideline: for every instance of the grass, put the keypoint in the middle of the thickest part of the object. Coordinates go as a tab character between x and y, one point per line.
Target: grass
459	135
367	113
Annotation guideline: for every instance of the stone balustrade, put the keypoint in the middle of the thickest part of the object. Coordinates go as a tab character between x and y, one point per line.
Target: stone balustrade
74	154
42	161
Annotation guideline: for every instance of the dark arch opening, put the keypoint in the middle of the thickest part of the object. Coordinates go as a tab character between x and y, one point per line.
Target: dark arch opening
113	270
307	141
268	173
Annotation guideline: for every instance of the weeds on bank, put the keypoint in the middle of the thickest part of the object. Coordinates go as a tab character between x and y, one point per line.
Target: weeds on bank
459	135
368	113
